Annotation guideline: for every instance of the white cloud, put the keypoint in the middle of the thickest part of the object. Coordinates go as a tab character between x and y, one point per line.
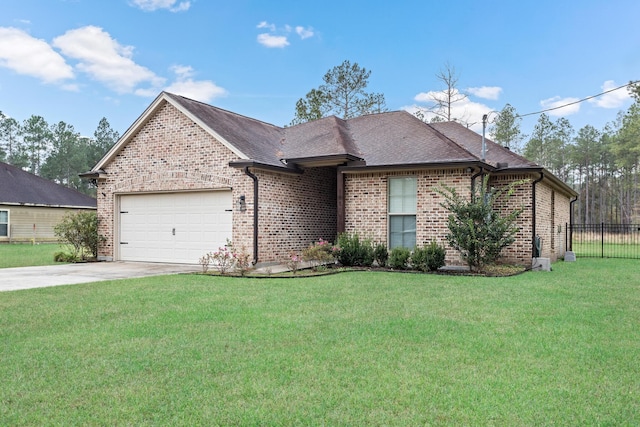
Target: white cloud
557	102
271	41
27	55
304	33
265	24
465	111
105	60
613	99
279	38
486	92
203	90
171	5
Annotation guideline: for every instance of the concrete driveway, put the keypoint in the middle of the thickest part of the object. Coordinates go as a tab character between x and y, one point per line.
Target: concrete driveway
12	279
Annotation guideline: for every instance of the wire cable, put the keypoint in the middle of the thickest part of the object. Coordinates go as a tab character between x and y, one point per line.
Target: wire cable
580	100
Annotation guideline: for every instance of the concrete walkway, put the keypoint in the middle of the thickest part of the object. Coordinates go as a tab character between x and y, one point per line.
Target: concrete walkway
12	279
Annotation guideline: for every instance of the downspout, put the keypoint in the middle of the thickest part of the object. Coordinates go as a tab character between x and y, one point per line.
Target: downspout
570	246
255	213
473	180
533	214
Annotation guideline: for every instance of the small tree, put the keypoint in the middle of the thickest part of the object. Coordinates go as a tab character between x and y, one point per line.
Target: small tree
476	230
80	231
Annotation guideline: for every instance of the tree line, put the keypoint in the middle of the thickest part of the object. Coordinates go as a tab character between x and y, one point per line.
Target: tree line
55	152
602	165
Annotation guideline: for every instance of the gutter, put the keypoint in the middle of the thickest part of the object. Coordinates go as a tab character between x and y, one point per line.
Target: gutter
533	213
255	213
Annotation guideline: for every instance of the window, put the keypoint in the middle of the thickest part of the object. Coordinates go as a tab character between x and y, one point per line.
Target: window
4	223
402	212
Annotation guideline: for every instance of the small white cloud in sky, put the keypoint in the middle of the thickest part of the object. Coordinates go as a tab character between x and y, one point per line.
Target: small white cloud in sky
30	56
269	40
265	24
202	90
279	39
556	102
486	92
304	33
104	59
171	5
613	99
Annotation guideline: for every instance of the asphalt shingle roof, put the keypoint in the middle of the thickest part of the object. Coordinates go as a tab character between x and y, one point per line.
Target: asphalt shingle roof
20	187
392	138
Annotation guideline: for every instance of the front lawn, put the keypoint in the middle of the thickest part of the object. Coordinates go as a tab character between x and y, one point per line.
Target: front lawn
27	255
357	348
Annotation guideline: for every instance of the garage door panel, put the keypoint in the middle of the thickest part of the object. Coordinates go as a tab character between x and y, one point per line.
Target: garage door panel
174	227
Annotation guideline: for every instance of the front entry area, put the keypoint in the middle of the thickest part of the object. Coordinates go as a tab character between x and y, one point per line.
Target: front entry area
173	227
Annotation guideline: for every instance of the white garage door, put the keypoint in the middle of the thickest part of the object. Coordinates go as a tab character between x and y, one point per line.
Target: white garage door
174	227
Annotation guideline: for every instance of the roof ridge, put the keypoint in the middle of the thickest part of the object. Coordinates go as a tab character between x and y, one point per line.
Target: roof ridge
222	109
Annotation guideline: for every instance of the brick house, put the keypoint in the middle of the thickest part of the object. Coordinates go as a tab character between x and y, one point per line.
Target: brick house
187	176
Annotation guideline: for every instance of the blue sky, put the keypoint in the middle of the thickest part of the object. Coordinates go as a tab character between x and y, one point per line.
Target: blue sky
80	60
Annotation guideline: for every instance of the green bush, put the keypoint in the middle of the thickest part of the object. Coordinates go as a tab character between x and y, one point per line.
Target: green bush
319	254
80	231
399	258
476	230
428	258
64	257
354	252
381	254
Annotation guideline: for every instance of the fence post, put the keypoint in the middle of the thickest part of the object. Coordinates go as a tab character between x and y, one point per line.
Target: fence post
602	239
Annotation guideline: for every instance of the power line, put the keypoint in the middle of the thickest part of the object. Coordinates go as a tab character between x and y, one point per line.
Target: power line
580	100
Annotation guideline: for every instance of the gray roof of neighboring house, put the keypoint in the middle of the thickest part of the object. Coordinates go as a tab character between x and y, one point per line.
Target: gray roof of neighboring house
23	188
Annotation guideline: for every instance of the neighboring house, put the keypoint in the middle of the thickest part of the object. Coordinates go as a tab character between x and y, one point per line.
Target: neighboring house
187	176
31	206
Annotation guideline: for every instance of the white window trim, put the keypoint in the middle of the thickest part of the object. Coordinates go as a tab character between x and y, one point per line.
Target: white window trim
390	214
8	222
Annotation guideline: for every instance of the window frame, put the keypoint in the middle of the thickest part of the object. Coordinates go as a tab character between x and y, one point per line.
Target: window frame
7	234
407	211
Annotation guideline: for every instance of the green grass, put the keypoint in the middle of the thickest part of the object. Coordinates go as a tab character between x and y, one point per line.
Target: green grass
357	348
595	249
26	255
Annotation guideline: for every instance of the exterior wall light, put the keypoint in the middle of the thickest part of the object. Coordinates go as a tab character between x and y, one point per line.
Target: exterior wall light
242	204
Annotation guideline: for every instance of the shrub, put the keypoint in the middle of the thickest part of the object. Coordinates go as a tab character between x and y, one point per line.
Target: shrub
79	230
476	230
64	257
399	258
381	254
354	252
319	253
243	261
428	258
223	259
293	263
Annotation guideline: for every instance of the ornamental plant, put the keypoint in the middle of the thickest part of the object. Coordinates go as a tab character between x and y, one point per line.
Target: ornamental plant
428	258
80	232
224	259
293	263
399	258
476	230
319	253
354	252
